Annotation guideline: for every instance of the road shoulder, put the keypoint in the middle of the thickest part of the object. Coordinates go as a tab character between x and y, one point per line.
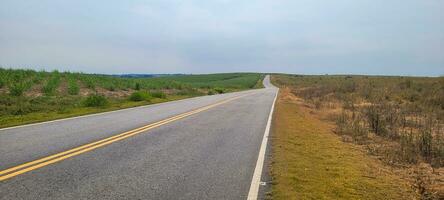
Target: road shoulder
310	162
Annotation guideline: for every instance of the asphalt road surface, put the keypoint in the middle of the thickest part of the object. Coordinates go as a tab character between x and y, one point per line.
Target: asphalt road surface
210	152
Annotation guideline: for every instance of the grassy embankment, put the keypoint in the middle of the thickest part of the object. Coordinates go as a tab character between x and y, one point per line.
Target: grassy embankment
391	136
28	96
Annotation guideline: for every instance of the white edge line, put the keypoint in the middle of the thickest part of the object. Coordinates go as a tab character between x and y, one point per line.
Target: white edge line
119	110
255	182
95	114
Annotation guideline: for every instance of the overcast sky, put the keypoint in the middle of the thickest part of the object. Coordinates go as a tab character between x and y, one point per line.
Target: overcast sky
393	37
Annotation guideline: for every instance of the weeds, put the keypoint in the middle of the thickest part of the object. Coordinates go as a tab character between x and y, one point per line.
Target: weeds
18	88
158	94
137	87
36	93
95	100
89	82
73	87
52	84
399	119
2	82
140	96
309	162
219	90
400	109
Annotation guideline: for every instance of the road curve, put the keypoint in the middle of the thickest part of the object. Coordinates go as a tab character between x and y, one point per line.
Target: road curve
210	154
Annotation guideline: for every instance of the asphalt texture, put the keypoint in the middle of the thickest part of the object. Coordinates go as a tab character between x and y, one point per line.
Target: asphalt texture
208	155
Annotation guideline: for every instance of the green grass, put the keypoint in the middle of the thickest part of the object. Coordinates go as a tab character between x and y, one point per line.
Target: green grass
18	88
28	96
95	100
140	96
73	87
34	117
51	84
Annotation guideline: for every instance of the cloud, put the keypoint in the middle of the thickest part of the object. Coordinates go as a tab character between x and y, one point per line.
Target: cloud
171	36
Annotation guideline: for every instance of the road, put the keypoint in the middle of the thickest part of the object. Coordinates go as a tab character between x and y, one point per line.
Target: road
210	152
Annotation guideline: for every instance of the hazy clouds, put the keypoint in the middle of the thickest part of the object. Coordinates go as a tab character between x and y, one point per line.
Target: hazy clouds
167	36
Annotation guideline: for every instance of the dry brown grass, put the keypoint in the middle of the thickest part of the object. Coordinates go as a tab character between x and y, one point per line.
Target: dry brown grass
310	162
329	106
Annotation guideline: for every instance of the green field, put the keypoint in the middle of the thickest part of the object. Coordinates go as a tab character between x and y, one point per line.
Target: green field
28	96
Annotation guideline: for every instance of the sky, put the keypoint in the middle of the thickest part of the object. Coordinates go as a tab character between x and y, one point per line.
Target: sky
377	37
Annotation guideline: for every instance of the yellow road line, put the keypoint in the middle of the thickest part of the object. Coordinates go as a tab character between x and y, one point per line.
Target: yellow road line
71	150
26	167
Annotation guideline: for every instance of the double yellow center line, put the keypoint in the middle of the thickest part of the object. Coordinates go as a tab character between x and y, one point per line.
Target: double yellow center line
36	164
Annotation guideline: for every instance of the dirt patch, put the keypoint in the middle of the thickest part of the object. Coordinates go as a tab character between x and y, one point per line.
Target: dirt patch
4	90
85	92
118	94
34	91
63	87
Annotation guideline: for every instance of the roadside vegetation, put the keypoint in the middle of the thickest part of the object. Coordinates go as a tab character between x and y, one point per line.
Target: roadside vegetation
397	120
28	96
310	162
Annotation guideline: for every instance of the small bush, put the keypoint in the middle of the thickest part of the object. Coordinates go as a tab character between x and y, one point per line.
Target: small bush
139	96
95	100
111	88
17	89
219	90
137	87
2	83
211	92
189	92
158	94
89	83
21	108
51	85
73	87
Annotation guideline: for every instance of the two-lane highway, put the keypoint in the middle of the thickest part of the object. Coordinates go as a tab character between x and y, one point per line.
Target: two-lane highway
199	148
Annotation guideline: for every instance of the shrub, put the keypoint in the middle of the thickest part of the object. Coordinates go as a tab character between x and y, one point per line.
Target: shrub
211	92
73	87
20	108
425	143
158	94
375	118
37	79
406	111
219	90
189	92
17	89
51	85
137	87
111	87
89	83
2	83
95	100
139	96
